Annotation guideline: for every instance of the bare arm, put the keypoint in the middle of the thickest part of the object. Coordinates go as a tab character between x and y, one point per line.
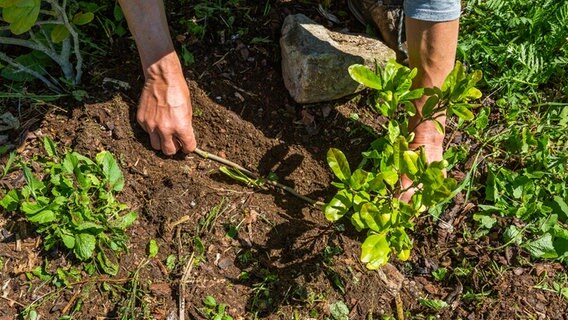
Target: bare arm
164	110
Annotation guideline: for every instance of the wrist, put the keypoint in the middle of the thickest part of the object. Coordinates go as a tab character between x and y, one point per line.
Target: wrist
163	67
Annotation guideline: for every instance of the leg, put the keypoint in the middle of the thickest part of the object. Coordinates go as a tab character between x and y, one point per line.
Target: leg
431	49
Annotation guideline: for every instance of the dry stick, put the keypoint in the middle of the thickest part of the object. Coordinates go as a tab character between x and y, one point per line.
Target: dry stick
399	307
182	282
207	155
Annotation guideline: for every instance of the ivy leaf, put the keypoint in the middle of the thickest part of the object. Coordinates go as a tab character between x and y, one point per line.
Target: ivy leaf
81	18
338	164
84	246
338	206
59	33
111	170
365	76
375	251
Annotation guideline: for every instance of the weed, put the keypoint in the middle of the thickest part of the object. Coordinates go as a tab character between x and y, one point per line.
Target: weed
370	193
434	304
72	204
214	310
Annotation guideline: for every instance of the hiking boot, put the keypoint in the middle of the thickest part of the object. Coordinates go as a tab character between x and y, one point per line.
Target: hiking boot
387	17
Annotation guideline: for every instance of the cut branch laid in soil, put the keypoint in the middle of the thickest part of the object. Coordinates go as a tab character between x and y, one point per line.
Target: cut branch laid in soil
253	179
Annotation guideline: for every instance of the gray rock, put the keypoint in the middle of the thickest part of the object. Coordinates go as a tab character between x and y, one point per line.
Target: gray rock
315	60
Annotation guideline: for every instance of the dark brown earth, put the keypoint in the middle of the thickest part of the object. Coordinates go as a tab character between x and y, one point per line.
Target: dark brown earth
297	263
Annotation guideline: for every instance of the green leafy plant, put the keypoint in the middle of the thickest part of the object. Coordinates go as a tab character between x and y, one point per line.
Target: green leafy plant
48	28
369	195
70	199
214	310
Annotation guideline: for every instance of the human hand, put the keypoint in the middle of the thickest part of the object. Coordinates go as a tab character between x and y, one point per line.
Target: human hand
165	113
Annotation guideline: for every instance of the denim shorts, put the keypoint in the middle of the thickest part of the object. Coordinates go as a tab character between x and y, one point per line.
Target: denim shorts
432	10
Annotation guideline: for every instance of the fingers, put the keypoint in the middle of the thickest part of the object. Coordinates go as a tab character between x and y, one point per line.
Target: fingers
155	140
169	147
187	141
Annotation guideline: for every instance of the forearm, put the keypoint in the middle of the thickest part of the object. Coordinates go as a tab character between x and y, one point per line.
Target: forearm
148	23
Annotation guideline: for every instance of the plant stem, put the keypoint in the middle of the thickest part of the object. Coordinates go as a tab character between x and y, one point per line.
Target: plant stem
207	155
29	71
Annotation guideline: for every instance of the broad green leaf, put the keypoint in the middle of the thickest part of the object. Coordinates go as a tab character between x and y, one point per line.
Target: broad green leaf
562	206
68	240
365	76
357	222
111	170
429	106
368	214
358	179
339	311
434	304
375	251
393	131
390	176
34	184
439	126
462	111
377	184
90	227
152	248
410	159
22	16
542	247
338	206
42	217
473	93
210	302
59	33
108	266
338	164
11	200
125	221
81	18
413	95
8	3
49	146
84	246
513	235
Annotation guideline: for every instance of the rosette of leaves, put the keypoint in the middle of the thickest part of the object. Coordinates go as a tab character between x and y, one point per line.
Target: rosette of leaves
71	202
49	29
369	195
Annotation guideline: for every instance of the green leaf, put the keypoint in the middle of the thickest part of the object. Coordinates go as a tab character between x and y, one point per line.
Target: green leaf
410	159
358	179
68	240
413	95
365	76
367	214
59	33
473	93
429	106
111	170
434	304
210	302
338	206
22	16
8	3
462	111
34	184
390	176
542	247
339	311
84	246
152	248
90	227
42	217
81	18
439	126
49	146
485	220
125	221
338	164
11	200
375	251
106	264
513	235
